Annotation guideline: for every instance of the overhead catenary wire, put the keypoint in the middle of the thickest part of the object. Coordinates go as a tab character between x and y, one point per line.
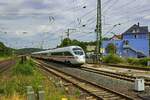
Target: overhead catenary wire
117	0
90	20
132	9
109	7
120	7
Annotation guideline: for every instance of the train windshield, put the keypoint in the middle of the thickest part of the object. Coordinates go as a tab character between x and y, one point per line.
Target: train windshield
78	51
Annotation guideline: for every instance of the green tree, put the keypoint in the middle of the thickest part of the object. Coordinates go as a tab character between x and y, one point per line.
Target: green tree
111	48
65	42
5	51
105	38
68	42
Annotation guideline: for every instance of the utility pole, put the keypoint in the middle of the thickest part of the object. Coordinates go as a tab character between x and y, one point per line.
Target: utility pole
62	40
68	34
148	63
149	42
99	31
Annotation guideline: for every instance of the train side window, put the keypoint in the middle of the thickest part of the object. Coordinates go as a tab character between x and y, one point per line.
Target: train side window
60	53
52	53
44	54
57	53
67	54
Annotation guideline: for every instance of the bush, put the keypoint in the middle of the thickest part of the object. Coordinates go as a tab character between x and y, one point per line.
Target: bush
112	58
133	61
25	68
136	61
37	81
111	48
143	61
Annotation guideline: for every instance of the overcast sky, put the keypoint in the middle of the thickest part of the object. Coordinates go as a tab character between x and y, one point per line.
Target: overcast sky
31	23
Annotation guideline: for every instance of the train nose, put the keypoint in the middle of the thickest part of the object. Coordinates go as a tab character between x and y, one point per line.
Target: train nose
81	59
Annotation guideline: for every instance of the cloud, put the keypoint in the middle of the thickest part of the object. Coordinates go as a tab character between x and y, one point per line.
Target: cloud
147	17
32	21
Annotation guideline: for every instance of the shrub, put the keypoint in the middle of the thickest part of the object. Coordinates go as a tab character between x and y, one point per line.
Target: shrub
143	61
133	61
111	48
137	61
37	81
112	58
24	69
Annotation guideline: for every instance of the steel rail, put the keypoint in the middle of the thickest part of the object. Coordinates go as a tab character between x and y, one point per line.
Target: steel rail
100	92
5	65
128	66
114	75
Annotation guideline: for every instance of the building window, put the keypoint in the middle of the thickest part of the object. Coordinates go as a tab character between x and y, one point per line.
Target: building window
135	36
126	42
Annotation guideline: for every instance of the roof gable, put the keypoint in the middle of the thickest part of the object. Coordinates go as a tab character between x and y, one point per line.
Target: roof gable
137	29
116	37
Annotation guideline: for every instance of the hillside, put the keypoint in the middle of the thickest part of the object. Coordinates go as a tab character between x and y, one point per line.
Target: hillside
27	50
5	51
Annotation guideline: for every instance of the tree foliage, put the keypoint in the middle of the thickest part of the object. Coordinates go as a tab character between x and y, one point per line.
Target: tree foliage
5	51
27	51
69	42
111	48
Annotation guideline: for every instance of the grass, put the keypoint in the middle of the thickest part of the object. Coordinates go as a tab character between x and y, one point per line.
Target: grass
27	68
4	57
13	84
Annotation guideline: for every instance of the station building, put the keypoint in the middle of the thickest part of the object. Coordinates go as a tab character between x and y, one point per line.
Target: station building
132	43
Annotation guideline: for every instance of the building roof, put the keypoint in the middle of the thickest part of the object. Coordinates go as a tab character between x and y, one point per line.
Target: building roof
137	29
116	37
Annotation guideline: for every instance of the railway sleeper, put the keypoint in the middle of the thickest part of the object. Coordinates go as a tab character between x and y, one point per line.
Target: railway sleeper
109	95
118	76
116	98
110	74
102	94
86	86
98	91
105	94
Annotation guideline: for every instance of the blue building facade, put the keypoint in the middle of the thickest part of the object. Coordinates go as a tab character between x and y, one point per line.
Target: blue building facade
134	42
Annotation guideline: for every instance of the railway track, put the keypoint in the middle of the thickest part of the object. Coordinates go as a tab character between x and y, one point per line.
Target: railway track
99	92
5	65
128	66
114	75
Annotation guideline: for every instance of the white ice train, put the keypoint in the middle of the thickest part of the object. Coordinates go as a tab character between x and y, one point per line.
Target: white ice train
70	55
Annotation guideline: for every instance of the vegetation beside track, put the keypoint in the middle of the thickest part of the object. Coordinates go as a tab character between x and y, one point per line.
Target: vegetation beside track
5	52
131	62
2	58
13	83
111	58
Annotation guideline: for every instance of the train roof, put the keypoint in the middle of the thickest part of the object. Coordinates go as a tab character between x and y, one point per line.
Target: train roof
69	48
